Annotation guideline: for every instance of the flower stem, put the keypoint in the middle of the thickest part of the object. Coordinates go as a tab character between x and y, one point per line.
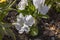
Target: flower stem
12	3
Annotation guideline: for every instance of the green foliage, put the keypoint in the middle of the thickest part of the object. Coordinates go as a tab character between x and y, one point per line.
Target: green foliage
3	13
30	9
5	30
10	33
1	33
3	5
34	31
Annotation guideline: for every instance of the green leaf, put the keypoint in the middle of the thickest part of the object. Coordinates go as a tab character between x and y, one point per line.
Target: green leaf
1	32
10	33
31	7
6	25
4	29
0	36
45	16
34	31
3	5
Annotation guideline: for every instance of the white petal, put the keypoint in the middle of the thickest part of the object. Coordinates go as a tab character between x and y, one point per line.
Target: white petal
43	10
22	4
21	8
20	15
26	2
26	28
18	26
21	31
19	22
20	18
29	20
37	3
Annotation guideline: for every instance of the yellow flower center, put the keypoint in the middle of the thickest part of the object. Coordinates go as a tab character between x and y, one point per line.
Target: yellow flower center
1	1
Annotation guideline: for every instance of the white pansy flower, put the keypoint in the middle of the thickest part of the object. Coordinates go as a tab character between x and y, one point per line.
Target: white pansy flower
22	4
42	8
24	23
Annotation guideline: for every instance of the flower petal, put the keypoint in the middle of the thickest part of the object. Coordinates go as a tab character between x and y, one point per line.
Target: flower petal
21	31
26	28
43	10
20	15
29	20
22	4
18	26
20	19
37	3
